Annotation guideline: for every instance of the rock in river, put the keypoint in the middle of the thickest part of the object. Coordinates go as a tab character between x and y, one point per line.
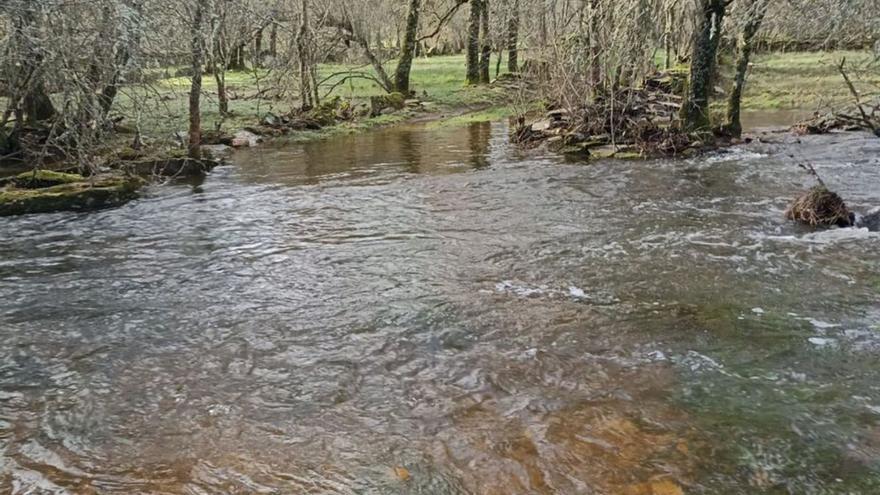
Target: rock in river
44	191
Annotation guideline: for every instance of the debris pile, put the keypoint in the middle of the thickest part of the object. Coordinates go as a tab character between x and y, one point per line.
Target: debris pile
638	122
820	207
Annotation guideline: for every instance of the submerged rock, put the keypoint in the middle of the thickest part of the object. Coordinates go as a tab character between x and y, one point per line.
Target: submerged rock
72	193
870	220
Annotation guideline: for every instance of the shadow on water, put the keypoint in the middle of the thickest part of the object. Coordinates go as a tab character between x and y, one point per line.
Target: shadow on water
429	311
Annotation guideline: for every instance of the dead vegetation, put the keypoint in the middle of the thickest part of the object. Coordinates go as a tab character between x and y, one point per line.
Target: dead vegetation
819	207
640	121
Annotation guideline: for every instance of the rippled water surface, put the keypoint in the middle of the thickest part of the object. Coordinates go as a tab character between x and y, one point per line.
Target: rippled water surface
430	311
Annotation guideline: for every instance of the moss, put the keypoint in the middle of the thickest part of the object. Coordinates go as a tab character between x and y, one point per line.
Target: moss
86	194
487	115
42	178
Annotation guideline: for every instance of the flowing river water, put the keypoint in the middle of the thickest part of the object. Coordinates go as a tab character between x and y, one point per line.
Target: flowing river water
430	311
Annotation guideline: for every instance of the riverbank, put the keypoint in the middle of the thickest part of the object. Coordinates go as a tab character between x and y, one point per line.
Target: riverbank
778	81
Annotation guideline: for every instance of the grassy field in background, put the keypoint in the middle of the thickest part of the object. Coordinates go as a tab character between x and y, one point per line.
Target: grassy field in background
807	80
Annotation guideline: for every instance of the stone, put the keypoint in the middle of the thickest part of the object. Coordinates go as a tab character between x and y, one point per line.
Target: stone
245	139
541	126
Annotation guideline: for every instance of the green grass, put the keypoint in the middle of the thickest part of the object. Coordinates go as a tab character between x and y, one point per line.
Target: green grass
807	80
801	80
164	105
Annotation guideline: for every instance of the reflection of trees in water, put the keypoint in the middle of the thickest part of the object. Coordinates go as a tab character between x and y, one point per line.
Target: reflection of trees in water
479	134
410	151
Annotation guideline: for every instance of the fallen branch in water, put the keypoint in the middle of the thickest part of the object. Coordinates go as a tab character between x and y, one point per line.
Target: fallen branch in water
866	120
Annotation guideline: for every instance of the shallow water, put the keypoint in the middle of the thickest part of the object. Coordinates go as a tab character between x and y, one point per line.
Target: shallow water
430	311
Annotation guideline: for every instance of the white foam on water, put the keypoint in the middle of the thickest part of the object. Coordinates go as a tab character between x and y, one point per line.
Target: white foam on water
822	342
821	325
520	289
823	238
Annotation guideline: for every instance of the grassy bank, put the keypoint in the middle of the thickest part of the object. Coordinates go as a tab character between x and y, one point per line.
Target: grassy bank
777	81
161	109
807	80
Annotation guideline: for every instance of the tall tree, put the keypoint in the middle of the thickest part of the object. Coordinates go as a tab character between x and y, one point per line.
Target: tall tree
195	93
695	110
485	43
755	11
513	37
473	43
408	50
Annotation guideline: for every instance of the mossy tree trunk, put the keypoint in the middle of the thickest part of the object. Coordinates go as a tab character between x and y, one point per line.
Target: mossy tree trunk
217	56
485	43
756	11
408	50
195	92
513	38
473	43
695	110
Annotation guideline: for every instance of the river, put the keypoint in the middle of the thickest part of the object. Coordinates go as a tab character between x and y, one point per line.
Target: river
427	310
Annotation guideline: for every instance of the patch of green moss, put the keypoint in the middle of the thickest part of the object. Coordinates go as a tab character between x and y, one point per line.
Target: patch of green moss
72	196
43	178
486	115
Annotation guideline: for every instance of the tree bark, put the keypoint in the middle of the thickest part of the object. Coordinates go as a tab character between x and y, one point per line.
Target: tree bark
756	11
486	44
407	52
513	38
695	110
273	40
195	93
304	52
473	43
258	48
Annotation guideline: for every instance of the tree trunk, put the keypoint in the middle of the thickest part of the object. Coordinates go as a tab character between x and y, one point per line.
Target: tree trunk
486	47
273	40
258	48
756	11
195	93
513	38
473	43
695	110
407	52
595	51
37	104
303	49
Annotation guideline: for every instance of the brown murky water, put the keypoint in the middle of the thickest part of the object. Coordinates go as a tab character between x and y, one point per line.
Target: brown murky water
430	311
